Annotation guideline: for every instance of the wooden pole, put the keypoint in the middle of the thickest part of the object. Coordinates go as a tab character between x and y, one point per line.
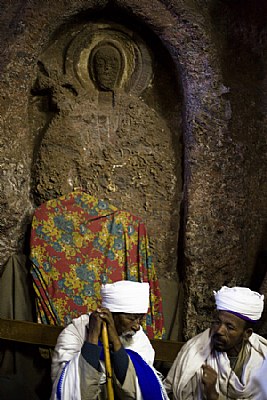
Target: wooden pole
110	391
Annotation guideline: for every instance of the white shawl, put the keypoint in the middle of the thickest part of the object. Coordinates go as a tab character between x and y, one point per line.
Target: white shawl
67	353
185	375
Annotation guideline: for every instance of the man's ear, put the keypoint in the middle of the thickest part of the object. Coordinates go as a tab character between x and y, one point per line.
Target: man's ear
248	332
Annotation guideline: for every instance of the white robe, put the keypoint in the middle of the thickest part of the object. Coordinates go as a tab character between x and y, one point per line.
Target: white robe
260	379
184	379
67	355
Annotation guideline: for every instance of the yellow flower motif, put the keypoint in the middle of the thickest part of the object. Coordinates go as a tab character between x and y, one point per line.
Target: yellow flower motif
67	233
78	240
73	282
54	275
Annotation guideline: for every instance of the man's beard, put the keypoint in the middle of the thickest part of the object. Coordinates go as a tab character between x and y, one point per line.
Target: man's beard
126	338
218	343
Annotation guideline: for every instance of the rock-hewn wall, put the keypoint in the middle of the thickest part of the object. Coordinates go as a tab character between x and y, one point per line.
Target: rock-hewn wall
114	134
242	35
215	239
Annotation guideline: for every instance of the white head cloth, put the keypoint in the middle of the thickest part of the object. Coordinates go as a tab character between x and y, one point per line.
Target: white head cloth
126	296
240	301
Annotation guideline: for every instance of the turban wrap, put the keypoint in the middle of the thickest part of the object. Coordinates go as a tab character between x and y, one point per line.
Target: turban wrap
240	301
126	296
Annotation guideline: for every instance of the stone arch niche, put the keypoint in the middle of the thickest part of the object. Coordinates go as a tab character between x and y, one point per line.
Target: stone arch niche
107	111
212	244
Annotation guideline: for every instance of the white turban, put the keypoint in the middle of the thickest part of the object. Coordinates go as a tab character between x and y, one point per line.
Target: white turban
126	296
240	301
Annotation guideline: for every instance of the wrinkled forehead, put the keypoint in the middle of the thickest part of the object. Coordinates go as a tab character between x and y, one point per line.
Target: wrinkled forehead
130	316
230	318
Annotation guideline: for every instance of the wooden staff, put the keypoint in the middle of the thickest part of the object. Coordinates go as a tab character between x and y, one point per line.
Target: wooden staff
110	391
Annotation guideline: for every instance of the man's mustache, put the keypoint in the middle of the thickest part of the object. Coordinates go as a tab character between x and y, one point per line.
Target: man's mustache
128	334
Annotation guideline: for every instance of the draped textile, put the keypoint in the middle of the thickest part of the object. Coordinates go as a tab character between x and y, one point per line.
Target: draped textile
23	370
79	242
263	290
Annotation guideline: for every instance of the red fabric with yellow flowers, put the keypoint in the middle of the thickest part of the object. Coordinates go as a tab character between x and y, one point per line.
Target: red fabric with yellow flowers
79	242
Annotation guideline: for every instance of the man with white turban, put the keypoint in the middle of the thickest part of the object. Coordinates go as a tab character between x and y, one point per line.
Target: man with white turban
78	368
226	361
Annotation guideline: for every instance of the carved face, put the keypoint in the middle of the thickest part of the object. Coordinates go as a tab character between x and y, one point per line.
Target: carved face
106	66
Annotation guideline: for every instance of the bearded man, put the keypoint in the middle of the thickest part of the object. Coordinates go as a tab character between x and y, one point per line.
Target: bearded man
78	368
227	360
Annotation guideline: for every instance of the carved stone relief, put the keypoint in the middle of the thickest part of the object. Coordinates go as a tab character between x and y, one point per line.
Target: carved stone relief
101	133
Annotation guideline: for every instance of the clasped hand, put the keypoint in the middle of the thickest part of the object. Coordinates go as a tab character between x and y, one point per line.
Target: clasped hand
209	379
95	327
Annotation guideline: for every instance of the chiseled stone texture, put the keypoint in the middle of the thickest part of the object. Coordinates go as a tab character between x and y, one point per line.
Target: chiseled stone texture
219	56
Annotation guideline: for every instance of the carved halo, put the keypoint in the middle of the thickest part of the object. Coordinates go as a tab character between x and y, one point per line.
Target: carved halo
109	57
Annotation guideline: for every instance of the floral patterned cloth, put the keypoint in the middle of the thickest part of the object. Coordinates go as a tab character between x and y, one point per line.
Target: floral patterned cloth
79	242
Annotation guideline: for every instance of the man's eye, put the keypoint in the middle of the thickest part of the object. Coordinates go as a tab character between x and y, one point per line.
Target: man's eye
230	327
131	318
135	318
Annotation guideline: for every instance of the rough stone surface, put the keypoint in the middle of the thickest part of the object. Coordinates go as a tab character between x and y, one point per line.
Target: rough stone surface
206	219
120	144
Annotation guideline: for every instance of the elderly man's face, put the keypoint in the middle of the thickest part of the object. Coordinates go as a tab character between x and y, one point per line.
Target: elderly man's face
228	333
127	324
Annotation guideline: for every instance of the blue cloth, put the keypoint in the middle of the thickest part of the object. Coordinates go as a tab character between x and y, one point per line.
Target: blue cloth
148	382
60	382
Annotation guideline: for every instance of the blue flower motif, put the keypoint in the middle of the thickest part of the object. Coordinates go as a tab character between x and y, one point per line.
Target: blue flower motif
149	262
34	260
78	200
111	255
102	205
93	212
130	230
84	274
102	249
61	283
47	266
83	204
96	244
66	238
82	229
109	225
39	230
89	290
56	246
34	275
68	292
62	223
78	300
118	244
116	229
